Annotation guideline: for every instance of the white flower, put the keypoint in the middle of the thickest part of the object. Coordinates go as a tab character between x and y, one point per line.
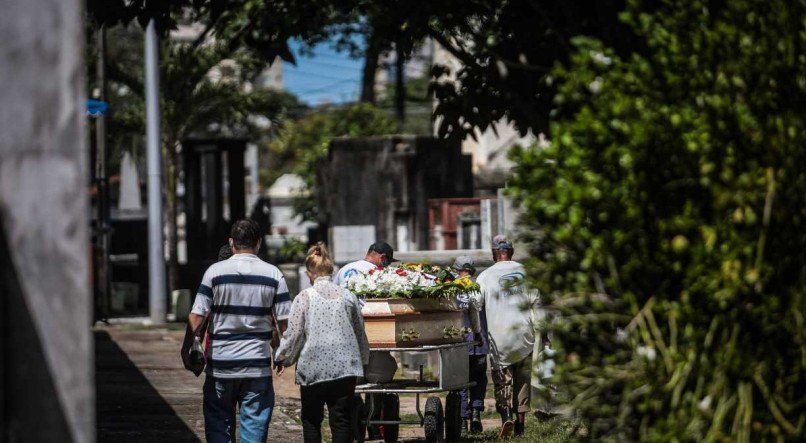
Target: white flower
647	352
596	85
388	281
601	59
705	404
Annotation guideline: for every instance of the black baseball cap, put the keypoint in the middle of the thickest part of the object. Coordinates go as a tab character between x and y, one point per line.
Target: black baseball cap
383	248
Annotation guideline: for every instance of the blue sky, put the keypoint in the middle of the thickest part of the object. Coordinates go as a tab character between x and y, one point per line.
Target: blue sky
326	76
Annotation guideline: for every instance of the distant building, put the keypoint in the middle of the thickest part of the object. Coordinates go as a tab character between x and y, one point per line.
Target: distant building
389	201
284	221
270	78
491	165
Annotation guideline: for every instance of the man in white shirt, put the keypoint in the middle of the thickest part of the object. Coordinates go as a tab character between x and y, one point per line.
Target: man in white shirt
509	309
379	255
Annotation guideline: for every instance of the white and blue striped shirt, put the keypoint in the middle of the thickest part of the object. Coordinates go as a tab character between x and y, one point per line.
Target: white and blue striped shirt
239	294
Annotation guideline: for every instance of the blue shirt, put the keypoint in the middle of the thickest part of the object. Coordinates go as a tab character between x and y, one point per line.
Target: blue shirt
463	301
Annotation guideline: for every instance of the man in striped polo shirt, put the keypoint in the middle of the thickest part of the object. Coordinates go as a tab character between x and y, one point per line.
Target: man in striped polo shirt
243	297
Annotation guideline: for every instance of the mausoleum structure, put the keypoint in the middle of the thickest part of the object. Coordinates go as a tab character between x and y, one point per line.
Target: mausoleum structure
377	188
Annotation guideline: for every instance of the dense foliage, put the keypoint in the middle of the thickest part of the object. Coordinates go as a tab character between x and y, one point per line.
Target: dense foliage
668	222
301	143
505	48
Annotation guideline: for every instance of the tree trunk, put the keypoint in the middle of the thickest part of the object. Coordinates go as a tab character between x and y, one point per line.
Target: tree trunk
400	82
171	177
370	67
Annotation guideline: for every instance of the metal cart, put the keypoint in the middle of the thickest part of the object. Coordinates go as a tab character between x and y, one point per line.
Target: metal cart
381	400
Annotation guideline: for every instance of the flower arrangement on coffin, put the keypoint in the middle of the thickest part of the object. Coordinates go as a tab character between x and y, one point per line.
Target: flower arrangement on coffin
411	304
410	281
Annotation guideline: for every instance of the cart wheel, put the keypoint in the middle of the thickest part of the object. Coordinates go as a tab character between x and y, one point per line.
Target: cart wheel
390	411
453	416
358	419
433	421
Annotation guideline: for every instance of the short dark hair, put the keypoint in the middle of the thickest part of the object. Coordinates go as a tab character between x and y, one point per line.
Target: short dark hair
224	252
382	248
245	234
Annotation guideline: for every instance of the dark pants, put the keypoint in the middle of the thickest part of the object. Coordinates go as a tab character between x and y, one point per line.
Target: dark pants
338	396
513	385
473	398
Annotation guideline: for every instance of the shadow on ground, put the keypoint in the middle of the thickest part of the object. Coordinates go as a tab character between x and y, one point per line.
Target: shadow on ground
129	409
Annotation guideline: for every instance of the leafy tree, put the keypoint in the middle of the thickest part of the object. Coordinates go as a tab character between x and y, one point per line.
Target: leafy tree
668	218
507	48
111	13
301	143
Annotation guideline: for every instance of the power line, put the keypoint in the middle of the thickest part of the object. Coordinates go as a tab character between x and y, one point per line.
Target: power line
332	56
316	74
328	86
332	65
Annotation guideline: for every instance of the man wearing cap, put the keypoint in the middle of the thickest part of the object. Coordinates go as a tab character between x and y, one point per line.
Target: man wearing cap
509	310
473	398
379	255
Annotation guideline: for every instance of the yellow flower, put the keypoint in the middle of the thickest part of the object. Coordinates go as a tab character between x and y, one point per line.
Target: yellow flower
464	282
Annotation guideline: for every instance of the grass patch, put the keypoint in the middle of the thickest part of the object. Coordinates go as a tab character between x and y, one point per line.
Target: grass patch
556	430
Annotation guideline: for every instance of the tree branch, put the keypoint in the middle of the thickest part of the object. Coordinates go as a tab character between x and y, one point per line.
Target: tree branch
464	57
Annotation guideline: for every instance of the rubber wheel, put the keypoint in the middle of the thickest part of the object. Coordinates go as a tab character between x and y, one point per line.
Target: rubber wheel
390	411
358	419
433	421
453	417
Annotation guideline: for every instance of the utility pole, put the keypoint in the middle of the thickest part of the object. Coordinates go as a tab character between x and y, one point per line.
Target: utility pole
157	300
102	226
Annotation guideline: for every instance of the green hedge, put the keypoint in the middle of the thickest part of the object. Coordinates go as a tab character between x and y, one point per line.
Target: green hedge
668	221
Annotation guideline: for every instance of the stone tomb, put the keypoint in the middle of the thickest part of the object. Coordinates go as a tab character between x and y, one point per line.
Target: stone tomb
386	182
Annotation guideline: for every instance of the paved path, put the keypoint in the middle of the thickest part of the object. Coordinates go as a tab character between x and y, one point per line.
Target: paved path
144	393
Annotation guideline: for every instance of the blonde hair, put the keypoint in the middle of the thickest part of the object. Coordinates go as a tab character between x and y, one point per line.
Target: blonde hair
318	261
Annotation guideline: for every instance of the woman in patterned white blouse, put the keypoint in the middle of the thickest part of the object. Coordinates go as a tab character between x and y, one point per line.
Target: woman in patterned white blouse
326	338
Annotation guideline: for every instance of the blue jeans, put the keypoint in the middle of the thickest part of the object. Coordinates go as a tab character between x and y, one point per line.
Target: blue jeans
255	399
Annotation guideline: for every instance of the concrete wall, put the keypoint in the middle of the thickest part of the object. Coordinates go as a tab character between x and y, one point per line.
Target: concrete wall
45	305
386	182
